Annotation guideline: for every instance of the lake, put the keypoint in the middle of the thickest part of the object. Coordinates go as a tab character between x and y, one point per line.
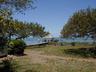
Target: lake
36	40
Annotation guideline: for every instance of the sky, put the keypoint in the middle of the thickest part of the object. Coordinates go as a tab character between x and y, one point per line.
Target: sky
54	14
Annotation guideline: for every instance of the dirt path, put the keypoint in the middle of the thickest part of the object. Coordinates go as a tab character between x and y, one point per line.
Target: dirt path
37	56
40	62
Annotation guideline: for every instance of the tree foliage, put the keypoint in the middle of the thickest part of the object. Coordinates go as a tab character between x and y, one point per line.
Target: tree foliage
7	8
21	29
16	5
81	23
37	30
10	27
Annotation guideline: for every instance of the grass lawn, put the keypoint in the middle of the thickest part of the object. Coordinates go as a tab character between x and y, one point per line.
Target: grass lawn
73	51
57	59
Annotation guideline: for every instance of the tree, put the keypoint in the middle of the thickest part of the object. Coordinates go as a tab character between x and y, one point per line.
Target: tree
37	30
10	27
7	8
16	5
23	29
7	24
82	23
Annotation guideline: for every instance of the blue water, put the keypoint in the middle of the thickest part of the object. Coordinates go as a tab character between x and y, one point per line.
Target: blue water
35	40
75	40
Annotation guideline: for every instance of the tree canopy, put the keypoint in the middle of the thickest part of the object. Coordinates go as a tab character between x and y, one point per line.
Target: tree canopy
81	23
38	30
21	29
16	5
8	26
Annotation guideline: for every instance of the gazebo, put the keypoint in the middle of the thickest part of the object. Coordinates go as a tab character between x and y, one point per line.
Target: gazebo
48	38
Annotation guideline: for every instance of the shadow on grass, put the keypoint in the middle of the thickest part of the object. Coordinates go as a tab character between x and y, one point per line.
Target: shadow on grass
83	52
21	55
36	46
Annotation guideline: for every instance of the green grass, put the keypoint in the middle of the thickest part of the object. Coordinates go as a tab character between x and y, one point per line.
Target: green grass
67	66
26	64
73	51
56	66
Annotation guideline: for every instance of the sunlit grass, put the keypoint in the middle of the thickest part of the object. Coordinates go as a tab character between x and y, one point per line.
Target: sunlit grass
53	65
27	64
63	50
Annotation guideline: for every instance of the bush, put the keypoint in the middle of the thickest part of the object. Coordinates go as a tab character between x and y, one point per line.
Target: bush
3	41
53	43
6	65
73	43
16	47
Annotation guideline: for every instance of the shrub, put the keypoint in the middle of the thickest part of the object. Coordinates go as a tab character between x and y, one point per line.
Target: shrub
7	65
53	43
73	43
16	47
3	41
